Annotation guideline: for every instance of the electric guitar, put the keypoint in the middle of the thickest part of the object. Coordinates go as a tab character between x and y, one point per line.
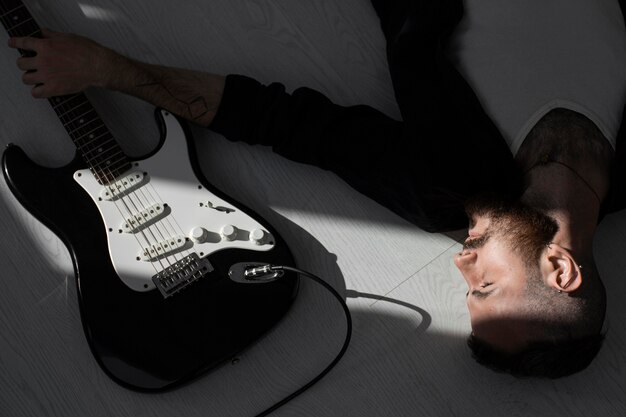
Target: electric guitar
151	243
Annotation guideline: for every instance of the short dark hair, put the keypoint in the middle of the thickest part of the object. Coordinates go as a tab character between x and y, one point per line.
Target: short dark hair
563	347
543	359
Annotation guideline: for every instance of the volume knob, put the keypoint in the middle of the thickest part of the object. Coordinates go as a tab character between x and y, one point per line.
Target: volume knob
258	236
229	232
198	234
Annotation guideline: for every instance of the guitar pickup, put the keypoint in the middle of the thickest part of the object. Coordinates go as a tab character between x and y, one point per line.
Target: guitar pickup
162	249
145	218
123	186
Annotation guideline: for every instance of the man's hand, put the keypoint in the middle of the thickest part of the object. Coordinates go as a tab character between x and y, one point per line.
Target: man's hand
64	63
67	64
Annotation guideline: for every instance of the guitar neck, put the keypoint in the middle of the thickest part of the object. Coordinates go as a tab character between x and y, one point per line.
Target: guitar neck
90	135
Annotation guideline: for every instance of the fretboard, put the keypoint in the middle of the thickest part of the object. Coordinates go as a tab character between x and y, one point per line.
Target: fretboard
92	138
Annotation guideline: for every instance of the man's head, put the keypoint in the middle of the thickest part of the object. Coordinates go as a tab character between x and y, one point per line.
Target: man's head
534	308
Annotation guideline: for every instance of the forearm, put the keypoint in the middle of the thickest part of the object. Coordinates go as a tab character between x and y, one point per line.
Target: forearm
66	64
192	95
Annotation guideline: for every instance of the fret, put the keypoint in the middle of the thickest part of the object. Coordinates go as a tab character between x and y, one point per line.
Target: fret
64	104
109	174
30	29
61	100
96	138
82	116
67	112
78	137
103	177
110	167
98	155
21	23
21	6
108	164
105	142
107	161
93	130
97	149
10	4
82	123
109	143
90	135
93	139
30	19
107	178
102	153
14	16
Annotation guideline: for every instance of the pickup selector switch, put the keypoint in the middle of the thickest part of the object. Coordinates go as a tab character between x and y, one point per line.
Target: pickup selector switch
229	232
198	234
258	236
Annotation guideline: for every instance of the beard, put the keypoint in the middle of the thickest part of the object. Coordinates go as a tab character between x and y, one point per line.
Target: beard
526	230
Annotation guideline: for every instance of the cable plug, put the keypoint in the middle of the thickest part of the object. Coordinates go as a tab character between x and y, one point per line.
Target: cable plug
255	272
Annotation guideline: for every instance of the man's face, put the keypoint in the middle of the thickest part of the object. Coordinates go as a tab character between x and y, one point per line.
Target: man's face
503	240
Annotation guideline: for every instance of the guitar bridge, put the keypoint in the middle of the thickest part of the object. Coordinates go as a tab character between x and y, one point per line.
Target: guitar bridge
179	275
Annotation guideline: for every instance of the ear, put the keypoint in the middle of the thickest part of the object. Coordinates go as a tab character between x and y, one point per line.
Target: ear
560	270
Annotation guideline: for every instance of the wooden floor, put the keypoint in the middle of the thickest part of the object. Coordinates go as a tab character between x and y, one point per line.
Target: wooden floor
407	357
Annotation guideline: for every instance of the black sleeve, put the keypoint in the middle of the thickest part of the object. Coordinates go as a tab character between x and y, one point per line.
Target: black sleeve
305	126
364	147
424	167
416	169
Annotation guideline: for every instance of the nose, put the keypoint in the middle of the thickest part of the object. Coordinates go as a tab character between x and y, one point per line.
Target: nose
465	262
465	259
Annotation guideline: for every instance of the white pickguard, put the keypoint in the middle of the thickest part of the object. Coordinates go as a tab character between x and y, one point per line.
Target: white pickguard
192	219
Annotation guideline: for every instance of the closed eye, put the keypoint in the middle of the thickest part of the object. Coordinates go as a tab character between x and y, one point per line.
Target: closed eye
479	294
482	295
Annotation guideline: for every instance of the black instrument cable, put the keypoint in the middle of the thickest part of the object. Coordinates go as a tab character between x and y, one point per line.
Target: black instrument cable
259	273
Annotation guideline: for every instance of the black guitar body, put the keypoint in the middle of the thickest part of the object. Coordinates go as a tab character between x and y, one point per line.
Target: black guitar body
141	339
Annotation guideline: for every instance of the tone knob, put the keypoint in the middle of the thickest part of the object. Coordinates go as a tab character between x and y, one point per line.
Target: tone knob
229	232
198	234
258	236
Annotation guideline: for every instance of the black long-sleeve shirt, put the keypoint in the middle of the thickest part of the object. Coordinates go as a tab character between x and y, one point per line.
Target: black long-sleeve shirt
424	167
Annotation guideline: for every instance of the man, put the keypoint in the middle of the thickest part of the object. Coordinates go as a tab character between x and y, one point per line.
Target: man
536	301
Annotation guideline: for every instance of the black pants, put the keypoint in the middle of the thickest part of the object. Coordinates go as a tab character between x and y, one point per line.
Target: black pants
440	110
423	167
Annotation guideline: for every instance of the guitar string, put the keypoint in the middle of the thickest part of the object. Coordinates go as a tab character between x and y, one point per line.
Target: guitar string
129	214
145	203
188	251
12	10
28	19
168	235
7	12
110	173
193	262
170	230
10	29
143	189
151	244
185	252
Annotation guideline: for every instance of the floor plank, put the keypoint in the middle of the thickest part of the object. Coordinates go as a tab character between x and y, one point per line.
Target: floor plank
407	356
